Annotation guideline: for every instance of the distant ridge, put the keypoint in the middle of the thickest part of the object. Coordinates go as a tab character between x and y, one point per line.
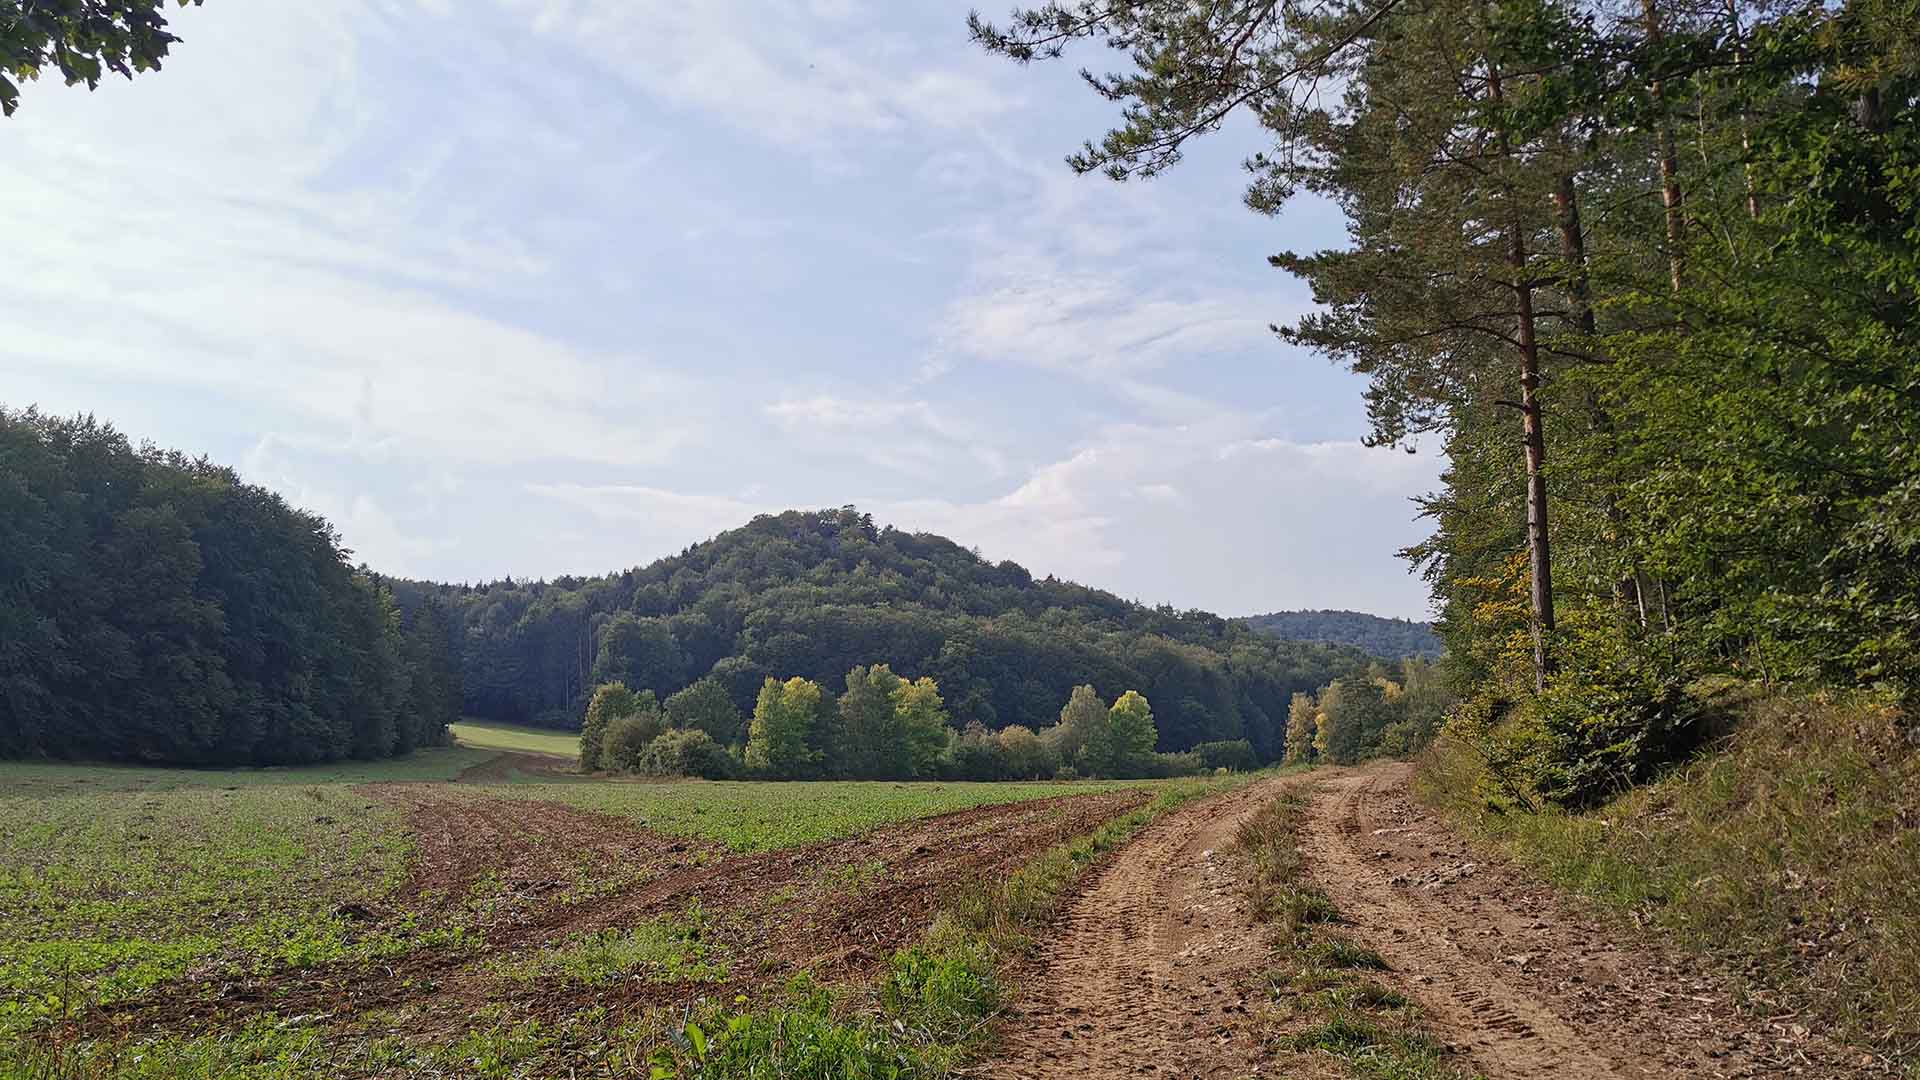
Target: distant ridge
1387	638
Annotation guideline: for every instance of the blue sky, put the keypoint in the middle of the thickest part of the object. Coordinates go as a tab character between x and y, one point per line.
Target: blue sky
533	287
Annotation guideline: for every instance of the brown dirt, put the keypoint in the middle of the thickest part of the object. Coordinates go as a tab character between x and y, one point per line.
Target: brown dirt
1523	982
1152	970
837	909
503	766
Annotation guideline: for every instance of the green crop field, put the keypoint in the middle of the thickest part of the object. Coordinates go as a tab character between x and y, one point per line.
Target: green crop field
485	735
761	815
114	880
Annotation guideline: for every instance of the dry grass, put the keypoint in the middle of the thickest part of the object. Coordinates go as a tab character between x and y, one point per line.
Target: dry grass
1792	850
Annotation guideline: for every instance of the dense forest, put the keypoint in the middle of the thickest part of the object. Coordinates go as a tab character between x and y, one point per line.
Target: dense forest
154	608
1372	634
1648	274
812	595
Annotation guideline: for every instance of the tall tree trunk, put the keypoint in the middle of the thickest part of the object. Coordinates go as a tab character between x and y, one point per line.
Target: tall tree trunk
1539	555
1746	121
1669	156
1573	249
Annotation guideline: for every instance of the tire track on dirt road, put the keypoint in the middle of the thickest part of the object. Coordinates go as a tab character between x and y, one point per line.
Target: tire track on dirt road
1510	973
1145	973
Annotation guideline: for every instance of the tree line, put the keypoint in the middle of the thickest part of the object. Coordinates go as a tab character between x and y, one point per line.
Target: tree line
154	608
1389	639
1380	712
879	726
1646	273
813	594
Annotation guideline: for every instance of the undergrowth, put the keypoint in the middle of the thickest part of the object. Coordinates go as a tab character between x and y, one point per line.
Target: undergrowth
1323	998
1792	850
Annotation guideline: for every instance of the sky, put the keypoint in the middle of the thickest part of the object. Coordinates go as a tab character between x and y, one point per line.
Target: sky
536	287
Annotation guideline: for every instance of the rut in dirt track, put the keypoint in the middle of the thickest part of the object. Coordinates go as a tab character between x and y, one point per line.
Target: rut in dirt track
1148	972
1521	981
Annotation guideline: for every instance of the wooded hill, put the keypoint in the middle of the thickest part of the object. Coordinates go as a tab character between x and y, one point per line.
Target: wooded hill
813	594
1387	638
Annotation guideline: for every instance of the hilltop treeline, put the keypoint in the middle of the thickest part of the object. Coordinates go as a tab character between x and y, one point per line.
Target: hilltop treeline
154	608
1647	274
1386	638
815	594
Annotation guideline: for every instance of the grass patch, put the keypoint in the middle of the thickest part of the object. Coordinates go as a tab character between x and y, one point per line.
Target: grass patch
764	815
1277	889
1792	849
1375	1050
666	949
486	735
1342	954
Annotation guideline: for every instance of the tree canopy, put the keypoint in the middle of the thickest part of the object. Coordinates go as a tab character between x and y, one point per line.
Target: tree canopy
1646	274
83	39
154	608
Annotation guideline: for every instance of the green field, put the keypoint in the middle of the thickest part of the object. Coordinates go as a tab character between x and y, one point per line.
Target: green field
114	880
749	815
485	735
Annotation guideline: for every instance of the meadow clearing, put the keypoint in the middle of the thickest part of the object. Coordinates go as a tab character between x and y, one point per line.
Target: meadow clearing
166	922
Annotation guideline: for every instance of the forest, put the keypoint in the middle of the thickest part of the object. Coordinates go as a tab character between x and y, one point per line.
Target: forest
1373	635
154	608
1647	275
813	594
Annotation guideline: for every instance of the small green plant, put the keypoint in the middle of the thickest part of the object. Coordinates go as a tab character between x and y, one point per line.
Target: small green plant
945	987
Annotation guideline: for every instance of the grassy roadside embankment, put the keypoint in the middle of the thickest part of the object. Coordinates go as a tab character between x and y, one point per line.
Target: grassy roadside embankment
1791	852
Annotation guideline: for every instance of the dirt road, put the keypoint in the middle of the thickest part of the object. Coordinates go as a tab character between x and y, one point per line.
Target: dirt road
1155	970
1148	971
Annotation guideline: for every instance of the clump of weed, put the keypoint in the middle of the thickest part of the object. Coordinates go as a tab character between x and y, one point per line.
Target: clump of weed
1339	952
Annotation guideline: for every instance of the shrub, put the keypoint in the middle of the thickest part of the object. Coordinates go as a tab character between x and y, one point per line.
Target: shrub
627	740
1236	755
1616	712
977	755
1027	755
686	753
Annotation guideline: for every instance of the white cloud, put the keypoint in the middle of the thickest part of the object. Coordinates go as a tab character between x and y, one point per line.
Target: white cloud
915	437
1199	515
770	68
